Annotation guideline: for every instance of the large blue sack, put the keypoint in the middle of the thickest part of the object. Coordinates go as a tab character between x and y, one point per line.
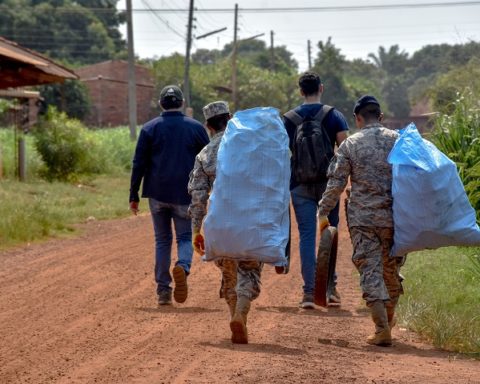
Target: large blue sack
430	206
248	213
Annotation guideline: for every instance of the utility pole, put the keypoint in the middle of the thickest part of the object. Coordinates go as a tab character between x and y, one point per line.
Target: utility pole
234	61
186	77
272	53
132	84
309	55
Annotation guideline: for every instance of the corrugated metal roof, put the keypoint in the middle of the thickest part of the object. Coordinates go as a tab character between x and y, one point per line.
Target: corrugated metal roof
21	66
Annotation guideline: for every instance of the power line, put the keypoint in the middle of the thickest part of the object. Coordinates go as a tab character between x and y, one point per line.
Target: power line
348	8
167	24
327	8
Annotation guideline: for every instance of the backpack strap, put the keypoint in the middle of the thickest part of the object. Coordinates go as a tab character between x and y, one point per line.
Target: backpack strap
294	117
322	112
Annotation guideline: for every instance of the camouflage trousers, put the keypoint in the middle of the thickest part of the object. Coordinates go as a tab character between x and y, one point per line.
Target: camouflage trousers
239	278
380	277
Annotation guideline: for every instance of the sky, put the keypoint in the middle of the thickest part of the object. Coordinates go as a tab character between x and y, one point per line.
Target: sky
160	26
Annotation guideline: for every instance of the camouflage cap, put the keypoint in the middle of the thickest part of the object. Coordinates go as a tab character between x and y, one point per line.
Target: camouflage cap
215	108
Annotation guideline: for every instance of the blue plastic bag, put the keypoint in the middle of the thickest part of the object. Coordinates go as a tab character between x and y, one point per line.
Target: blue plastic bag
430	206
248	214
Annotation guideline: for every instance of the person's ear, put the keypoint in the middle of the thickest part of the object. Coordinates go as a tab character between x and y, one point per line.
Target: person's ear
358	120
320	88
380	118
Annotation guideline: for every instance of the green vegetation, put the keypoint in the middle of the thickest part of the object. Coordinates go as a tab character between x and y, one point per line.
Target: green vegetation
63	149
441	301
457	134
8	152
77	32
36	210
98	189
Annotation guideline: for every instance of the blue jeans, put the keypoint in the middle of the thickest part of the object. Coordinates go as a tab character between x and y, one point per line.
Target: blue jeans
305	204
162	215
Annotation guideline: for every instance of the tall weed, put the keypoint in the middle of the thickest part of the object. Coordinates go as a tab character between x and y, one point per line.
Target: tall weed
458	136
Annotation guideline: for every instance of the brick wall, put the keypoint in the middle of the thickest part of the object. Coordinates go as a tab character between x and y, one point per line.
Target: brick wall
107	83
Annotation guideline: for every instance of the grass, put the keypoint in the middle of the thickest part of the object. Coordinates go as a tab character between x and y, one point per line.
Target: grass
442	298
111	152
37	210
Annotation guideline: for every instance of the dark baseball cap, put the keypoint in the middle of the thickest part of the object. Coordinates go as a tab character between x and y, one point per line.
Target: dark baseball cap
171	92
364	101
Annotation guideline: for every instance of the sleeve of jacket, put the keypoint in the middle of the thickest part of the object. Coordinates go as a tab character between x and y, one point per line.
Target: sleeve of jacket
338	173
199	189
140	162
202	138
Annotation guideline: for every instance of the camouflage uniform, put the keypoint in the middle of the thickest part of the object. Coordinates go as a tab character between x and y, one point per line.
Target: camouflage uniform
363	158
239	278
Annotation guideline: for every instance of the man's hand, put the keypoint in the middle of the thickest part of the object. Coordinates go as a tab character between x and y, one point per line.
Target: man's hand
198	243
134	207
322	222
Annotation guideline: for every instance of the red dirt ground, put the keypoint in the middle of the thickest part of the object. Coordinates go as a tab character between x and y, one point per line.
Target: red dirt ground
84	310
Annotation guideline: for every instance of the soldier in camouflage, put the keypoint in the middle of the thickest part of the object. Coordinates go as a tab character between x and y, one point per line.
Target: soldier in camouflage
363	158
240	279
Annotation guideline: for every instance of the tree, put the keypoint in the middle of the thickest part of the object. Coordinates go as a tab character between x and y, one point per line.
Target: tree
330	64
257	53
392	62
64	29
393	65
444	93
73	95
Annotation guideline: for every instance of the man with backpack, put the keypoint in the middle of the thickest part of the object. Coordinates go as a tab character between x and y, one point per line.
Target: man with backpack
313	129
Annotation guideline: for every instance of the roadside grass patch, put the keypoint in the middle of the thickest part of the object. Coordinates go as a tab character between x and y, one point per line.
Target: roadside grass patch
36	210
442	298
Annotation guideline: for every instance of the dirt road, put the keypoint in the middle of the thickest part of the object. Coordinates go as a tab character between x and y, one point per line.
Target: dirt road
84	310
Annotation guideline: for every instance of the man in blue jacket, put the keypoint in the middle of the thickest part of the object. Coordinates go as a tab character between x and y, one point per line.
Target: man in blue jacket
164	156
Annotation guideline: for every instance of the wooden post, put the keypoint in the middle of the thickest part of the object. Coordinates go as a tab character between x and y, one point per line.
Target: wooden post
1	164
272	52
132	83
234	61
186	76
309	51
22	159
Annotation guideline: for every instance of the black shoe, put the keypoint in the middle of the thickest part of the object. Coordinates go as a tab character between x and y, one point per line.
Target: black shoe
308	302
334	299
165	298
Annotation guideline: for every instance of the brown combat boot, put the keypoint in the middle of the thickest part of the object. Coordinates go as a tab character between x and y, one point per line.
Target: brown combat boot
238	324
382	336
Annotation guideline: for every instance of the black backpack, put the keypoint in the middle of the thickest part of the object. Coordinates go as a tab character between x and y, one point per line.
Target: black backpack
312	149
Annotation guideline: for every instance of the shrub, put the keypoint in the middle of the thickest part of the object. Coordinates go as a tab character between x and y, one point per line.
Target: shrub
64	146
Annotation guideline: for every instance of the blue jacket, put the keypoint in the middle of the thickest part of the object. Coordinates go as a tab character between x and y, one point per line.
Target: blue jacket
165	155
